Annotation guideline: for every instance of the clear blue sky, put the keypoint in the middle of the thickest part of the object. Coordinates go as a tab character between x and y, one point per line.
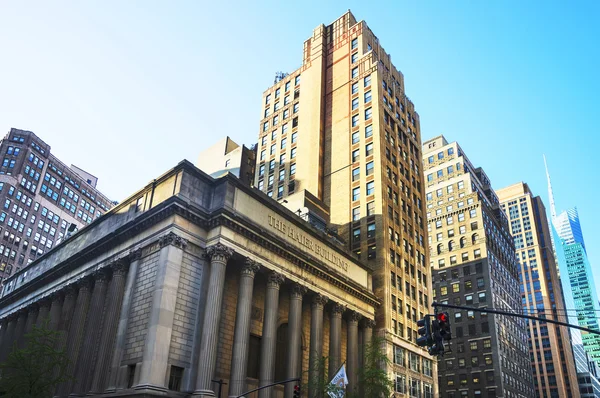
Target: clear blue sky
125	90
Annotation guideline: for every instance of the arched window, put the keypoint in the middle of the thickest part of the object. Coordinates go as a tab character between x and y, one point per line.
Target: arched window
463	241
439	249
474	238
451	245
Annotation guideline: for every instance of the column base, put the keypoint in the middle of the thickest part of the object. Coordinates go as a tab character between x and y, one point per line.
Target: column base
203	393
150	387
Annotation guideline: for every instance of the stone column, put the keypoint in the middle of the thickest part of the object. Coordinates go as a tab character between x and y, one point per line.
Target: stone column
219	254
31	320
153	371
55	311
109	327
352	356
70	292
335	338
368	326
118	374
3	324
76	331
85	362
239	359
316	370
269	335
20	327
43	314
9	336
294	335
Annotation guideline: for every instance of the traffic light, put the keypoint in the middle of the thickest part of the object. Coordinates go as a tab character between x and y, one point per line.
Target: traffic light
297	391
444	324
425	332
437	346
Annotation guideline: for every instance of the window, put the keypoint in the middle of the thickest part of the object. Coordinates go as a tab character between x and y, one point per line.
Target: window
368	96
284	128
281	174
283	143
355	88
368	113
356	214
355	137
367	81
354	73
293	153
354	58
292	169
369	149
370	208
356	174
175	377
355	103
354	43
370	168
371	230
368	131
354	120
277	92
372	252
294	137
355	155
287	86
356	193
370	188
297	80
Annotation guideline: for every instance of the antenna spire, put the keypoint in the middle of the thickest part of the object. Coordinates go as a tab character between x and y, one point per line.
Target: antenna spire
550	194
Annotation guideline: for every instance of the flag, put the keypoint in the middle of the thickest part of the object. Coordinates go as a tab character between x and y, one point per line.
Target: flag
340	380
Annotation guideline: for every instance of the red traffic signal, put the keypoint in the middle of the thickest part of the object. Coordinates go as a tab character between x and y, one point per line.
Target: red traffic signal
442	317
297	391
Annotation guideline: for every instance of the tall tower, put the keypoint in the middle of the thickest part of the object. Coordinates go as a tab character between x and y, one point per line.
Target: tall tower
580	275
473	262
340	136
552	361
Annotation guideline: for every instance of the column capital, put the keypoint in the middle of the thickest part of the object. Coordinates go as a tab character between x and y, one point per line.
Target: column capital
275	279
250	268
219	252
119	267
354	316
84	283
44	302
337	308
70	290
298	290
100	276
319	300
368	323
135	254
172	239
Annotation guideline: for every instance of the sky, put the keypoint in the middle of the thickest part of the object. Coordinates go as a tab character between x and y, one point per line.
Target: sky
126	90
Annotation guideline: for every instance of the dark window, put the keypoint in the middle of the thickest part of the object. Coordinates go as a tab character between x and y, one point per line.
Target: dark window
175	378
253	357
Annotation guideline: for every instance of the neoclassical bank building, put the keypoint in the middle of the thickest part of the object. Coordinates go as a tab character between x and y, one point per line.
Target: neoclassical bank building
195	286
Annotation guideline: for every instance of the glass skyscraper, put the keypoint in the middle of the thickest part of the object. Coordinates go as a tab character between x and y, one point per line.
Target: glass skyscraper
576	267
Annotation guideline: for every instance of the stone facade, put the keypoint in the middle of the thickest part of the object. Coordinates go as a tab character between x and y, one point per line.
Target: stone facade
194	280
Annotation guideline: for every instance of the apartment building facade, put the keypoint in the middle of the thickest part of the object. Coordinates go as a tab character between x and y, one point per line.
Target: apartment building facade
42	200
342	130
473	263
552	360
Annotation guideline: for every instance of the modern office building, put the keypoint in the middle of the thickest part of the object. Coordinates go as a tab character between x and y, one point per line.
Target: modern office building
474	265
189	280
340	134
42	199
552	361
579	272
226	156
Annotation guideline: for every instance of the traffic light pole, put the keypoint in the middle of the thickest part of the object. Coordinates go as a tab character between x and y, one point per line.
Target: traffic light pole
269	385
535	318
